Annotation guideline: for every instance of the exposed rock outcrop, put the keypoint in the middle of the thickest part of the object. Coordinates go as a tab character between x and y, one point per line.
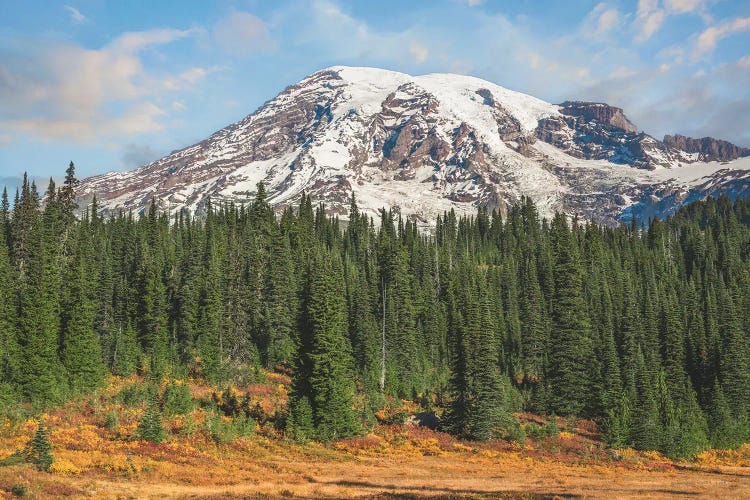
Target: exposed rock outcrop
427	144
707	148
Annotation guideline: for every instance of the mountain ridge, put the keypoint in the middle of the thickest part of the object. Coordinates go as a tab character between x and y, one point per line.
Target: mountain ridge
425	144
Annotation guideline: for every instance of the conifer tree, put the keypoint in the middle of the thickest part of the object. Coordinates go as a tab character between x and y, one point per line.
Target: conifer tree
324	368
81	348
533	334
42	373
39	449
570	341
10	354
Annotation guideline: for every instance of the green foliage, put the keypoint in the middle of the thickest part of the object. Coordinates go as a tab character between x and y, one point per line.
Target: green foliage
223	431
549	430
19	490
150	427
15	458
135	394
112	420
39	449
643	330
177	399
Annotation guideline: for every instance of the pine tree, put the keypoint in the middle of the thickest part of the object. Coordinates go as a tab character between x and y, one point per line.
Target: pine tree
570	341
42	373
533	331
125	351
488	415
81	349
150	427
281	304
67	196
324	368
10	353
209	341
735	360
646	429
39	449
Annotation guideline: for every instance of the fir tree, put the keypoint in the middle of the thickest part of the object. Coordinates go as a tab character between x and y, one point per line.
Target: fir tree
39	449
570	342
326	357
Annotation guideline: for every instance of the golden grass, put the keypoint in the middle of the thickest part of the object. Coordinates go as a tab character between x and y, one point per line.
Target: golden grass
92	461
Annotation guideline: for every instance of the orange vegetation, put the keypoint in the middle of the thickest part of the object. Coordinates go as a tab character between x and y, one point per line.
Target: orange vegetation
97	458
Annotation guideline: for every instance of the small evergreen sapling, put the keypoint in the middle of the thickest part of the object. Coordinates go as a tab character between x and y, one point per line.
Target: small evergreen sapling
39	449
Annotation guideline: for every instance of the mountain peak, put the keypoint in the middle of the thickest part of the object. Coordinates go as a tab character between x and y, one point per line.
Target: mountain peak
423	144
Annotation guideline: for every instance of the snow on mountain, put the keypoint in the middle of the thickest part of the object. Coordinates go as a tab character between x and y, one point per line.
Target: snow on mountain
426	144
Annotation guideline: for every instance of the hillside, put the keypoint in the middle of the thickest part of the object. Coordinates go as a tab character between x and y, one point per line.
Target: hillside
628	337
426	144
97	454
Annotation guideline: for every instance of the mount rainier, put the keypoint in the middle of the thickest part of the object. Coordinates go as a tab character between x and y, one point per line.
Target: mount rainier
429	143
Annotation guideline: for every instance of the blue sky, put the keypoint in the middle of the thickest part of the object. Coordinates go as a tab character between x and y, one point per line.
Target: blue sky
112	85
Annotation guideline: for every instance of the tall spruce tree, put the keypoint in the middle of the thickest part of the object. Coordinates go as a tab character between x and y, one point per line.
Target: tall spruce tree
571	347
323	379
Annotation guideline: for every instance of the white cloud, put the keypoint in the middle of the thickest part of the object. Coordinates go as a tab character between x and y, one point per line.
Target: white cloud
684	6
179	105
135	155
241	33
419	52
473	3
711	36
75	15
187	78
649	19
607	20
71	92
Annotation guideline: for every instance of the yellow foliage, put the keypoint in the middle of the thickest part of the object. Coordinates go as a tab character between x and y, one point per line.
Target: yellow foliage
653	455
461	447
63	467
628	453
566	435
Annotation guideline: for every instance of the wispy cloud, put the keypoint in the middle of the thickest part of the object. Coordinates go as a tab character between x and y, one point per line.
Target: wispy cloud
419	52
649	19
67	91
242	33
708	39
135	155
75	14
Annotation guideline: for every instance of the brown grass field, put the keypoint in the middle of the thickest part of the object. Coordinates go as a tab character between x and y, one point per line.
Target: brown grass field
93	460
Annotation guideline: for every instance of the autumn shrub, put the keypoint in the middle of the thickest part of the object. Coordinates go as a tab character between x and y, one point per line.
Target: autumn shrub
111	420
19	490
177	399
15	458
223	430
228	401
396	412
549	430
136	394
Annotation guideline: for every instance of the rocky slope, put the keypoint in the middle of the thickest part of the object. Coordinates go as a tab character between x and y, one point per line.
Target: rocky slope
707	148
429	143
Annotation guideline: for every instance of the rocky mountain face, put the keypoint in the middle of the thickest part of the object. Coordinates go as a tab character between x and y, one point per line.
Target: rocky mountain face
427	144
707	148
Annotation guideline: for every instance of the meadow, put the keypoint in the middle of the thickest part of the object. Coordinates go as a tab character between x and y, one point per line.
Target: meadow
204	453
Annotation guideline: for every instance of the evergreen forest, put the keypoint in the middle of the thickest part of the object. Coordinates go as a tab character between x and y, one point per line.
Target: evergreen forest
643	328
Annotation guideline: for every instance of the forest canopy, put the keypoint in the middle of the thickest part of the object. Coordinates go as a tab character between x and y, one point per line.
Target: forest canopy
645	330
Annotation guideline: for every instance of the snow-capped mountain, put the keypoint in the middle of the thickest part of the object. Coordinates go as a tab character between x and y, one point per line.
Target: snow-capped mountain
429	143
